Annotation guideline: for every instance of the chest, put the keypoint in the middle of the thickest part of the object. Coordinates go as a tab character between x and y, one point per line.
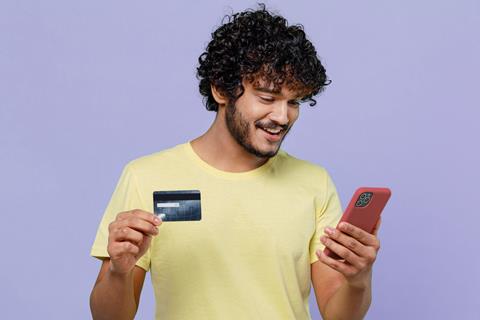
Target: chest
251	223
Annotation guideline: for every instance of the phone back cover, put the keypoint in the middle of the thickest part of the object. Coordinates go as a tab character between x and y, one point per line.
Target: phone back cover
366	217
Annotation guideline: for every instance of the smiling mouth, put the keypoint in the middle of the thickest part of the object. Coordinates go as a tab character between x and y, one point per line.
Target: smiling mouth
275	132
272	136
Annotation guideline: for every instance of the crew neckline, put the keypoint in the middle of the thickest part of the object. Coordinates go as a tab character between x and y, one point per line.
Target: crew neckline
187	146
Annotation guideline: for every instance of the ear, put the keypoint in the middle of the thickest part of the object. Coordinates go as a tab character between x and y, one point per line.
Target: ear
219	97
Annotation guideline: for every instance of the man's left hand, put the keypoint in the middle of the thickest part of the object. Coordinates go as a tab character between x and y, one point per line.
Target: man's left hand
356	247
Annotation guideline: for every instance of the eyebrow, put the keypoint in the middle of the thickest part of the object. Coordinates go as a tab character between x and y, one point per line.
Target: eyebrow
274	92
268	90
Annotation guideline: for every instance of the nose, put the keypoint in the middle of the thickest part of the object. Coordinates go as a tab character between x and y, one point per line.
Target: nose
280	113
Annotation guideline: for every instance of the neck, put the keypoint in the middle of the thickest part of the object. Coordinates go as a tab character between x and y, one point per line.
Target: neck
219	149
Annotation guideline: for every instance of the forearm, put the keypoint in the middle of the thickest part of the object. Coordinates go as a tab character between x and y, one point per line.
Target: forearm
349	302
113	297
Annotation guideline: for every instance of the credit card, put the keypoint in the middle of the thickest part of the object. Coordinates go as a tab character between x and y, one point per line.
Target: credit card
177	205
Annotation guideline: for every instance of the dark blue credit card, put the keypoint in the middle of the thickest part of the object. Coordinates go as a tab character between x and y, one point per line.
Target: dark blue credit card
177	205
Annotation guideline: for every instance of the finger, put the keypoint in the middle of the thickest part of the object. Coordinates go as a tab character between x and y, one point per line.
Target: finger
377	226
127	234
349	242
337	265
145	243
148	216
136	224
341	251
359	234
144	215
118	249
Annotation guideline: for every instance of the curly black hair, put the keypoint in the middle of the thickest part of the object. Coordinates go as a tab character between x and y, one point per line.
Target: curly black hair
259	44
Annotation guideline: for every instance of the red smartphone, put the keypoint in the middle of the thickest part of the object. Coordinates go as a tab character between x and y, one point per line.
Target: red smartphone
364	210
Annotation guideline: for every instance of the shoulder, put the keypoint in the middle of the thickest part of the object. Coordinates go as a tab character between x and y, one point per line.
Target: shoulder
161	159
300	167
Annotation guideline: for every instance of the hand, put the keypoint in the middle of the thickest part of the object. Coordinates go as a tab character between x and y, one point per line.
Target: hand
357	247
129	238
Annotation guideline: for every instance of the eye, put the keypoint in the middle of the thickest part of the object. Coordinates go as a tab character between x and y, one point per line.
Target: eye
294	103
267	99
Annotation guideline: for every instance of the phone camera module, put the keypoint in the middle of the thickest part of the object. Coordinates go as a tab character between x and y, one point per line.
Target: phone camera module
364	199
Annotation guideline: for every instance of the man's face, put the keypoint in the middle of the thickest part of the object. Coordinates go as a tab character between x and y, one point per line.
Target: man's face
257	109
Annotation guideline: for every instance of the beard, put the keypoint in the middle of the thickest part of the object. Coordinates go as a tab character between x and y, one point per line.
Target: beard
239	128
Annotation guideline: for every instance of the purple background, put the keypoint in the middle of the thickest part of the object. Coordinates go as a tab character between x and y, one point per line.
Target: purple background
87	86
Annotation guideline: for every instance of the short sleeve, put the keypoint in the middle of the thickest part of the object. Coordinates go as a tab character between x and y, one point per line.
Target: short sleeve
328	211
125	197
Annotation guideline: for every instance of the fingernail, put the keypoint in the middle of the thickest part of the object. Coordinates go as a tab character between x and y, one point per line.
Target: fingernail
329	230
343	225
156	220
323	238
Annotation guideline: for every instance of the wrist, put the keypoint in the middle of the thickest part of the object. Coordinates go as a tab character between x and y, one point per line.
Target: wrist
358	285
361	282
117	274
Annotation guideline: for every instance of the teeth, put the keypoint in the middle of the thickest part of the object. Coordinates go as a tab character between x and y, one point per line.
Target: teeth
272	131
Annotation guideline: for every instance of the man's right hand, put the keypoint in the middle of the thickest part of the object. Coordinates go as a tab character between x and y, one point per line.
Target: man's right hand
129	237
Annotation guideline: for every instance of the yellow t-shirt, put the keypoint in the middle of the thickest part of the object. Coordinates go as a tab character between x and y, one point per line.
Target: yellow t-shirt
249	256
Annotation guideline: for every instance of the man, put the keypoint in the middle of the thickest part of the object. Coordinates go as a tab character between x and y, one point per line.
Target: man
266	215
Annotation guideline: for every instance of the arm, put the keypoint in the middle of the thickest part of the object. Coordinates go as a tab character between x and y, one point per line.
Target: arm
343	288
116	296
117	290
